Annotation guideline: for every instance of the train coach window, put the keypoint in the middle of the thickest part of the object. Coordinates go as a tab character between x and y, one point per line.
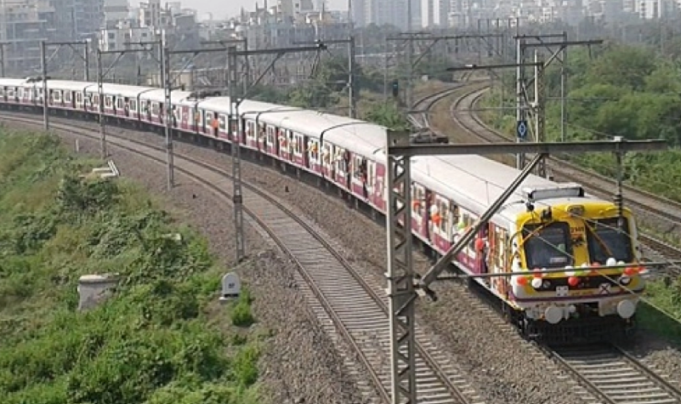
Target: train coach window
547	246
418	199
133	105
270	135
607	240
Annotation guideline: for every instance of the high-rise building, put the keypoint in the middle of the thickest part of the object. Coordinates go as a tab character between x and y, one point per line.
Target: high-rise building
654	9
388	12
435	13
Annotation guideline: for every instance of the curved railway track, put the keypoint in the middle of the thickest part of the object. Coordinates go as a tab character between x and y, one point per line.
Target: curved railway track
615	376
596	184
343	300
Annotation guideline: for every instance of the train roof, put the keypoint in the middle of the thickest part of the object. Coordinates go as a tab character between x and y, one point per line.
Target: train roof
64	85
159	95
118	89
476	182
11	82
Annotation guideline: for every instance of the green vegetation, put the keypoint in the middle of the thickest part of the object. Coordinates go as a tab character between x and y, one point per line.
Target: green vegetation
618	90
154	341
665	317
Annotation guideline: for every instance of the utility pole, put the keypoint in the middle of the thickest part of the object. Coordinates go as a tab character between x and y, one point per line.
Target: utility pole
103	73
100	98
44	60
246	65
521	121
2	58
431	40
403	286
169	115
43	63
235	123
352	91
538	105
410	65
351	85
557	51
523	42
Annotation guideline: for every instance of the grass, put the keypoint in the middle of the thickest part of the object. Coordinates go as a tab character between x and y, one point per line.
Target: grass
156	340
662	315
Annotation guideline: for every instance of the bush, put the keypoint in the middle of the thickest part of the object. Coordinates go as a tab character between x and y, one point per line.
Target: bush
150	342
241	313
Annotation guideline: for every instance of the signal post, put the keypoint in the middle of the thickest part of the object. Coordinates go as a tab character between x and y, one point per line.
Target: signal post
403	288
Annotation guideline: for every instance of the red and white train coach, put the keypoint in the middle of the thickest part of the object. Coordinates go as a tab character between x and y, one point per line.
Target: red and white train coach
543	225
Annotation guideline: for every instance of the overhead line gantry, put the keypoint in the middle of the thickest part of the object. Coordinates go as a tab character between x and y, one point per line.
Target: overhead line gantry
403	286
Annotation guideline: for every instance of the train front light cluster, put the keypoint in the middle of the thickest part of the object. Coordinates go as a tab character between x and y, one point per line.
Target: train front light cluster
540	284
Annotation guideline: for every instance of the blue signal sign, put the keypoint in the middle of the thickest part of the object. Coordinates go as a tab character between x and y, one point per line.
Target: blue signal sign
521	129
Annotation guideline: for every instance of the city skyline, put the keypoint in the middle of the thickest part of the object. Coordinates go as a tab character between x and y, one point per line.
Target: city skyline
219	11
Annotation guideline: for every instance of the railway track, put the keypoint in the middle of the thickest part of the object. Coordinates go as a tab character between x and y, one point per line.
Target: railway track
614	376
346	303
667	210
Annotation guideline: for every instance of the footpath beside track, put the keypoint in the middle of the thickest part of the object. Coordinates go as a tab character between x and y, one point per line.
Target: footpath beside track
344	301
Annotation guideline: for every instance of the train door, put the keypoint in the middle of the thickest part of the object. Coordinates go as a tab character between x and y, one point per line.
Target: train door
481	245
328	159
207	122
222	127
271	140
499	258
68	99
262	137
418	208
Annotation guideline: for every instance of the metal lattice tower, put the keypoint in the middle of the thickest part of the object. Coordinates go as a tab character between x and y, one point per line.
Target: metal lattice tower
400	275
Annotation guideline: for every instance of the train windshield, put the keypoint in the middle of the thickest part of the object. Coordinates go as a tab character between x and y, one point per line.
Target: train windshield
607	240
548	246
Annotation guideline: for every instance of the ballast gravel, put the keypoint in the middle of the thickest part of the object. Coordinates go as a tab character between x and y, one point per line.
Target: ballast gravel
501	366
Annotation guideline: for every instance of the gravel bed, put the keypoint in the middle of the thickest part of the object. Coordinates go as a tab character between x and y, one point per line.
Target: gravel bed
300	363
479	343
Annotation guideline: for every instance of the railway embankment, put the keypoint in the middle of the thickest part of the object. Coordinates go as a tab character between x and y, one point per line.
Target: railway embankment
161	335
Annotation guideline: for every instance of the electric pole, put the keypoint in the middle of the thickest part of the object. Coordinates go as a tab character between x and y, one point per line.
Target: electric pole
2	58
523	42
430	41
43	63
403	286
351	85
235	122
103	73
44	60
169	115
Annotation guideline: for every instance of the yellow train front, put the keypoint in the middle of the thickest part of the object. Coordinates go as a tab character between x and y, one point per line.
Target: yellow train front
585	300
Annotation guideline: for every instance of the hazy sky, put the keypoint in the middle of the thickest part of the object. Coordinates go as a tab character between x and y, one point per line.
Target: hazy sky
222	8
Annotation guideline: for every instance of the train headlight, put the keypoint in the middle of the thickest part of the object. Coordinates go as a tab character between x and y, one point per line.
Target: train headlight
624	280
541	284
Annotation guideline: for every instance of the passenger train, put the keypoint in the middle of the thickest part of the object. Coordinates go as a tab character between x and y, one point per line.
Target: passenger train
544	225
